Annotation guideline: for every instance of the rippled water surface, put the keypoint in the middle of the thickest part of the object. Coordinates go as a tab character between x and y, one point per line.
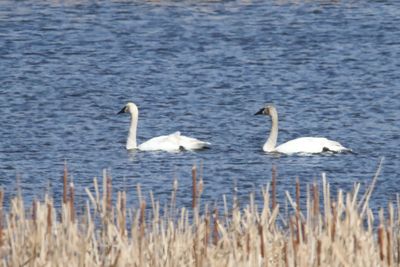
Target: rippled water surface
204	68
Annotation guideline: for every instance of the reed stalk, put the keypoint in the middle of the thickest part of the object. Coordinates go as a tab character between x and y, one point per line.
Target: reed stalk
49	217
108	193
215	228
122	213
206	233
262	242
142	219
315	200
273	187
34	212
194	187
65	184
72	202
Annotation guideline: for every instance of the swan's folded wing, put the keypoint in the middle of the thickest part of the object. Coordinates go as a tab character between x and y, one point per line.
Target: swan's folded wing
164	142
173	142
301	145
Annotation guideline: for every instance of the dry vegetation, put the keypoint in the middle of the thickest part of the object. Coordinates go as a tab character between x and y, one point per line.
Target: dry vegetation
340	231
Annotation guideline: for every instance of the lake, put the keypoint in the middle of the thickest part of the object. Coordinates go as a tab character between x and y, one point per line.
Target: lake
332	69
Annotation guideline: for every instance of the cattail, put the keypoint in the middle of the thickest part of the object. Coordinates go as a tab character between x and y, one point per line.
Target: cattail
316	199
262	245
273	187
142	218
297	197
109	194
34	212
194	187
380	241
389	246
49	217
71	201
65	183
303	231
215	229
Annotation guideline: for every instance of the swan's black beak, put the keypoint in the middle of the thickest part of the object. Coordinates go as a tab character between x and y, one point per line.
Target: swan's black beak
122	110
260	112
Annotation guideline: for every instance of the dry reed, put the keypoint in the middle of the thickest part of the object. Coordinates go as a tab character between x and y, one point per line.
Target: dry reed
71	202
273	187
194	187
342	233
65	183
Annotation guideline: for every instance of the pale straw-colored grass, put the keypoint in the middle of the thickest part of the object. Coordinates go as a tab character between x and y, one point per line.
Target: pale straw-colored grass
341	231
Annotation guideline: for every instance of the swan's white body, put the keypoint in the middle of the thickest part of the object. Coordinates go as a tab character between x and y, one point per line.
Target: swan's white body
172	142
310	145
304	145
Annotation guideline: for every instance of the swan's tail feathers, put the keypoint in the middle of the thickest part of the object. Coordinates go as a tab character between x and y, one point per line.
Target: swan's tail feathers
198	146
189	143
335	147
201	145
348	150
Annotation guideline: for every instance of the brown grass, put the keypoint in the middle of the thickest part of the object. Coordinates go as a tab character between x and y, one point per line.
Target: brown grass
342	233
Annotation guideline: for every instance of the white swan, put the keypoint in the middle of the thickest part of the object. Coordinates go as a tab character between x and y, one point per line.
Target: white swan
172	142
306	145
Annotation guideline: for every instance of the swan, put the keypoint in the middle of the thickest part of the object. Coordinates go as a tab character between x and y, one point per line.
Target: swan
306	145
172	142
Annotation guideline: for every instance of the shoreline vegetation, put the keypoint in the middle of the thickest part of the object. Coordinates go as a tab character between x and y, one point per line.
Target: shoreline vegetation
328	231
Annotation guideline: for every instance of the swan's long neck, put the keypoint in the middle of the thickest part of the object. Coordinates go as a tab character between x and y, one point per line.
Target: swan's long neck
270	144
131	142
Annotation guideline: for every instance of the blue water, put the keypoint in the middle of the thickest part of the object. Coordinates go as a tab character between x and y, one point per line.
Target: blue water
67	67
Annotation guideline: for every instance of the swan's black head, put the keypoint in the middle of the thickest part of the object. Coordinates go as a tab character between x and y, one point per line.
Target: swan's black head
265	110
123	110
131	108
260	112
